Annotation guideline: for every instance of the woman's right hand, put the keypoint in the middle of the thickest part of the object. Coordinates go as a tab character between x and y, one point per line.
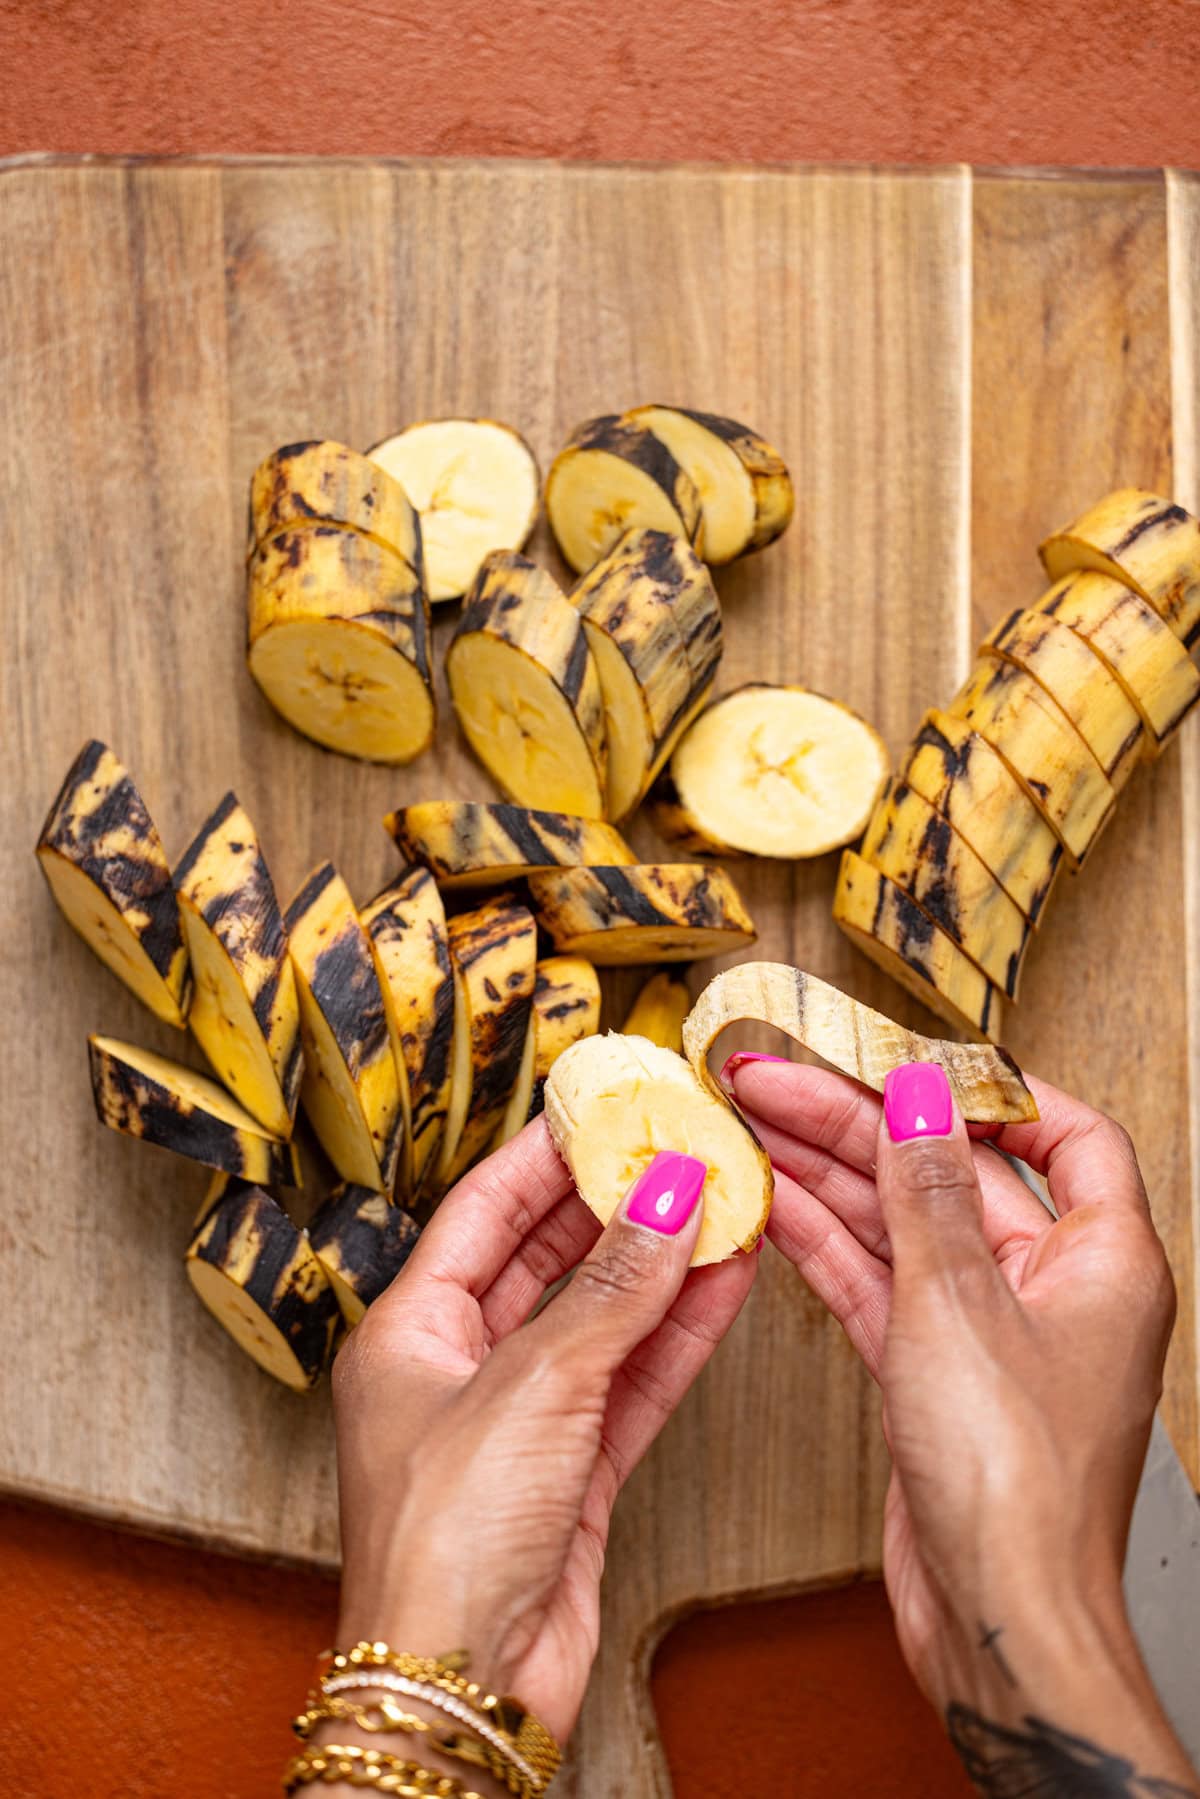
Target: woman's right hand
1021	1360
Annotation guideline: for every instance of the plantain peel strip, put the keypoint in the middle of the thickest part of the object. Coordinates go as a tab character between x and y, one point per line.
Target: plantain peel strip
852	1038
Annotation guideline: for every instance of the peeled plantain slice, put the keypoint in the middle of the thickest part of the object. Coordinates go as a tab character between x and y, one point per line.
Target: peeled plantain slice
320	482
245	1015
351	1089
1077	680
361	1243
566	1007
652	912
1043	749
852	1038
407	928
904	941
918	848
145	1095
745	490
257	1275
658	1012
1136	643
105	864
339	642
971	784
526	690
1144	542
613	474
475	484
772	771
476	843
613	1103
494	951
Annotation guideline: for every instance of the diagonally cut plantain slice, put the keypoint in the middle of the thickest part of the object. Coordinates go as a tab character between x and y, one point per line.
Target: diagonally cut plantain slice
319	482
362	1243
652	912
1078	680
613	474
566	1007
1144	542
658	1012
745	490
493	951
479	843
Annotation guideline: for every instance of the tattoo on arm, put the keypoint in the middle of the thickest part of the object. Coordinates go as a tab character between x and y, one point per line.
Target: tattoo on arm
1038	1761
989	1639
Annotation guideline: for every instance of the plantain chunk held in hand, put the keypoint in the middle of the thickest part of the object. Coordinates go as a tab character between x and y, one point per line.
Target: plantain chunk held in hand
613	474
106	867
477	843
493	952
746	495
566	1007
323	483
257	1275
362	1243
652	912
1144	542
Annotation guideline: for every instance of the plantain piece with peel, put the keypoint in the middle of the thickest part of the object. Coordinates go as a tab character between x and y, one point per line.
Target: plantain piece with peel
972	786
320	482
338	641
1135	643
771	771
881	921
106	867
613	1103
493	951
162	1102
918	848
256	1273
1043	749
851	1037
1143	541
475	484
361	1243
351	1088
652	912
653	624
245	1015
746	494
526	689
613	474
658	1012
478	843
1079	682
407	927
566	1007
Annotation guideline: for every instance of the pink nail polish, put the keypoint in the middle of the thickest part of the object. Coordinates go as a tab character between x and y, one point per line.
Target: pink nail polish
742	1056
917	1102
665	1194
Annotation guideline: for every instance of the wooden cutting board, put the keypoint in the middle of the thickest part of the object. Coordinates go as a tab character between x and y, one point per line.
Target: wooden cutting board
952	364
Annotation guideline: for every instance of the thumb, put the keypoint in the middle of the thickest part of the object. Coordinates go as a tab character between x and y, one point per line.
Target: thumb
928	1189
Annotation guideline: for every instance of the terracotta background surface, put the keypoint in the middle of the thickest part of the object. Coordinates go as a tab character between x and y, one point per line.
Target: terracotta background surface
185	1668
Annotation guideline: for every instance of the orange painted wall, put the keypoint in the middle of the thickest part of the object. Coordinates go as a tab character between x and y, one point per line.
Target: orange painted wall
186	1667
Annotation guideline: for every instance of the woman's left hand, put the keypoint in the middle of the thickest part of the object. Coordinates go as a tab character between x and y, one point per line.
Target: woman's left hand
479	1461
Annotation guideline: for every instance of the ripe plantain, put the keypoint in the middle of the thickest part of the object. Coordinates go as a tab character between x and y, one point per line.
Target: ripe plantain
652	912
658	1012
361	1243
1144	542
613	474
746	494
493	952
566	1007
1079	682
318	482
473	843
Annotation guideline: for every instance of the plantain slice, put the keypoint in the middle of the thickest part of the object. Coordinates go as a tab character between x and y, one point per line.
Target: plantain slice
162	1102
1143	541
881	921
1135	642
320	482
245	1015
652	912
256	1273
746	494
613	474
493	952
658	1012
971	784
1078	680
852	1038
361	1243
1043	749
106	867
477	843
475	483
351	1088
613	1103
526	689
566	1007
407	928
918	848
338	641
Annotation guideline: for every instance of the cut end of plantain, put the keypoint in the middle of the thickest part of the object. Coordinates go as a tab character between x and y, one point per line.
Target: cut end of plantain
658	1012
475	484
566	1008
1145	542
651	912
361	1243
745	490
476	843
613	1103
613	474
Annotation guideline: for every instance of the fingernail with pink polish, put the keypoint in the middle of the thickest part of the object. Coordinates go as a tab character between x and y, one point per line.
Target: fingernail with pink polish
917	1102
741	1056
666	1192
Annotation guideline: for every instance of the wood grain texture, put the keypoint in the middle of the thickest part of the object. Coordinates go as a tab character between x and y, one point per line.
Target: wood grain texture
167	327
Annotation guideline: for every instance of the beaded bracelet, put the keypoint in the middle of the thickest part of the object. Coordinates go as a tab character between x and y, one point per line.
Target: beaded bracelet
375	1768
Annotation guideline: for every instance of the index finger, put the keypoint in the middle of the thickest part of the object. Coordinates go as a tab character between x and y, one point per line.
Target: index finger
1086	1157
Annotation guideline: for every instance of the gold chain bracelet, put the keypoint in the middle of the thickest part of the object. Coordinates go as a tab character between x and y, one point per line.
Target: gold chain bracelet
332	1762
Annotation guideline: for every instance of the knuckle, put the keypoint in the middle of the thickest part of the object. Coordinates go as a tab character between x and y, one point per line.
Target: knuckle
934	1171
620	1267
